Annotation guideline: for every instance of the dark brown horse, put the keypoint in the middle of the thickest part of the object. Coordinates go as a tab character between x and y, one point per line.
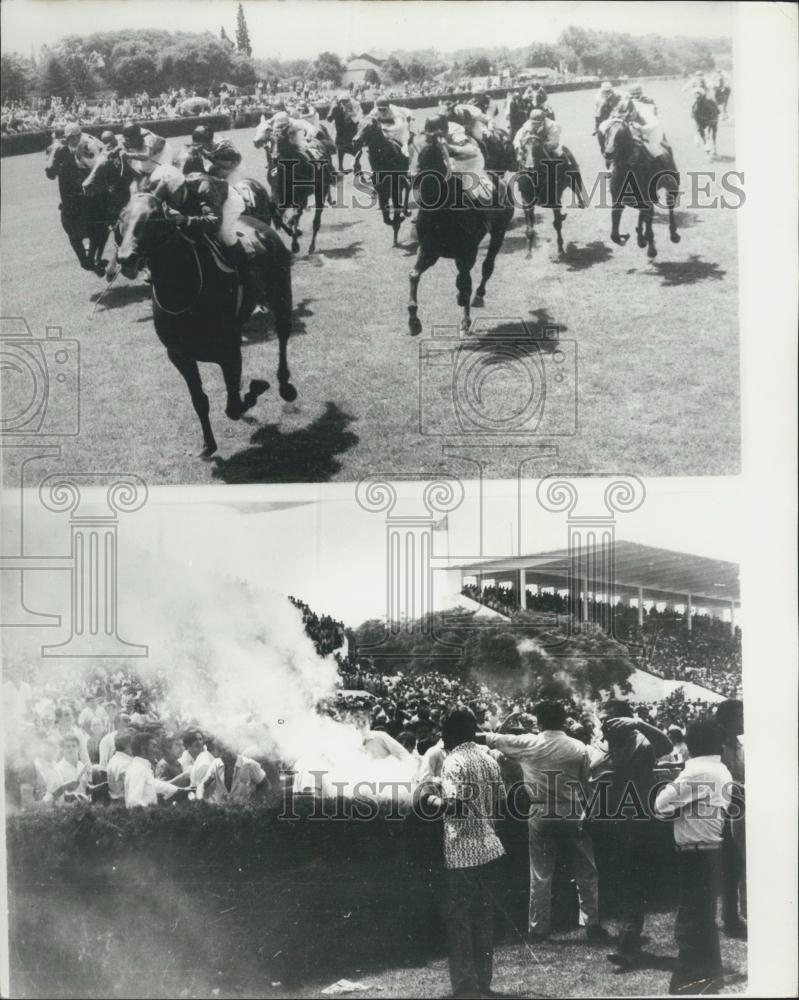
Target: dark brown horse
705	113
83	214
389	176
198	302
636	177
449	225
541	182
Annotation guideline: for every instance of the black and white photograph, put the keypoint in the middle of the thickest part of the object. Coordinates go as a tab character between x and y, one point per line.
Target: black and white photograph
398	440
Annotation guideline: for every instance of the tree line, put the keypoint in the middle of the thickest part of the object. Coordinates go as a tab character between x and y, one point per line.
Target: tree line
127	62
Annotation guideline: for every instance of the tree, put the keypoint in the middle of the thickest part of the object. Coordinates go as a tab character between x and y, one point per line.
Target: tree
132	67
393	70
371	77
224	37
328	66
242	34
16	76
481	66
54	79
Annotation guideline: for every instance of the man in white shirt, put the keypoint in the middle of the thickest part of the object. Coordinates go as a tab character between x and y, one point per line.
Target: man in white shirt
698	800
232	778
72	772
192	748
142	788
117	766
107	747
556	770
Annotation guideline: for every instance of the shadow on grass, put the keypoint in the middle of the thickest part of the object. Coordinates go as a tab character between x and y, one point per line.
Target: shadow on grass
581	258
687	272
330	227
354	249
121	295
683	220
538	333
260	329
307	455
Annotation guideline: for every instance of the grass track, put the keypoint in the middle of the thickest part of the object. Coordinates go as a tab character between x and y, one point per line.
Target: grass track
656	343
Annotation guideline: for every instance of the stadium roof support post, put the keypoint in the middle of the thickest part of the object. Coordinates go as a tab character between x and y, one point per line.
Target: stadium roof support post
640	607
689	610
523	589
732	618
585	599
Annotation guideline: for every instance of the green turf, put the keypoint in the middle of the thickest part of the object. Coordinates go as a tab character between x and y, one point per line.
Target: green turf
657	344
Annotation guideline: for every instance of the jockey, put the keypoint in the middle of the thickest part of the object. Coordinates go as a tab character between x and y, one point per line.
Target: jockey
207	155
202	206
464	153
540	101
543	128
637	94
606	101
109	140
395	122
643	122
144	150
83	147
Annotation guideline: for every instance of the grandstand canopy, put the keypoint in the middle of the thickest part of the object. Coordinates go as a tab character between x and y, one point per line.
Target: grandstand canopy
660	573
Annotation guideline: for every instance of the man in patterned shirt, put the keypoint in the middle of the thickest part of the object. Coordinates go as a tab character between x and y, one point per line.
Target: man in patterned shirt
471	785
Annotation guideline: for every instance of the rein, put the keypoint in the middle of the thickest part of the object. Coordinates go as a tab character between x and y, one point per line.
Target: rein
191	305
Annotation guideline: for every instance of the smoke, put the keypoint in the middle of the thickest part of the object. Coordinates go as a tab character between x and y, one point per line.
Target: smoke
229	657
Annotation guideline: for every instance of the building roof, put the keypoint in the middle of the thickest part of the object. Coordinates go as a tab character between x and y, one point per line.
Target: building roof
672	574
368	58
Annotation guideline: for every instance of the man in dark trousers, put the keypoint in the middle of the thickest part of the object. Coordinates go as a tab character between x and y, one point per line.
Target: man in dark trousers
698	800
730	718
622	776
471	785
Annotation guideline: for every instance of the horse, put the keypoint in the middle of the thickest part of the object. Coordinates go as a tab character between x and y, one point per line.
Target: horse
390	177
721	95
636	177
542	181
705	113
293	177
198	303
447	225
82	215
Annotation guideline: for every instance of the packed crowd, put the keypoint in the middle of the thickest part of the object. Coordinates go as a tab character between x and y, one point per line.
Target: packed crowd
77	735
708	655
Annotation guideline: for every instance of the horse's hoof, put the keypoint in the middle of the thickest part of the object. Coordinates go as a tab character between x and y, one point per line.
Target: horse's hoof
621	239
288	392
258	386
414	325
528	255
478	301
465	326
651	253
209	450
295	248
642	242
234	414
675	237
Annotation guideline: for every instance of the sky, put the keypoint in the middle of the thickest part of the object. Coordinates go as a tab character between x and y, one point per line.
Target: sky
303	28
318	543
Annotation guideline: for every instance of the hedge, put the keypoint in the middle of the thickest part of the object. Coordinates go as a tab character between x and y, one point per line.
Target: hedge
110	902
37	142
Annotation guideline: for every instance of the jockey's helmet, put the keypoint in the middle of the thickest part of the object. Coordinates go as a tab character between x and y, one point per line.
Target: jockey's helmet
72	131
281	120
541	95
132	135
636	91
436	125
382	108
537	116
227	156
166	180
108	136
203	135
606	87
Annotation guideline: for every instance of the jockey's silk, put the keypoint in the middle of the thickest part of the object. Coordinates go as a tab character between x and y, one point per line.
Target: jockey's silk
397	129
549	131
231	210
158	151
87	151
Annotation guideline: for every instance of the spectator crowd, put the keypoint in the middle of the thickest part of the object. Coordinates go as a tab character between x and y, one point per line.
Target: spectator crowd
708	655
